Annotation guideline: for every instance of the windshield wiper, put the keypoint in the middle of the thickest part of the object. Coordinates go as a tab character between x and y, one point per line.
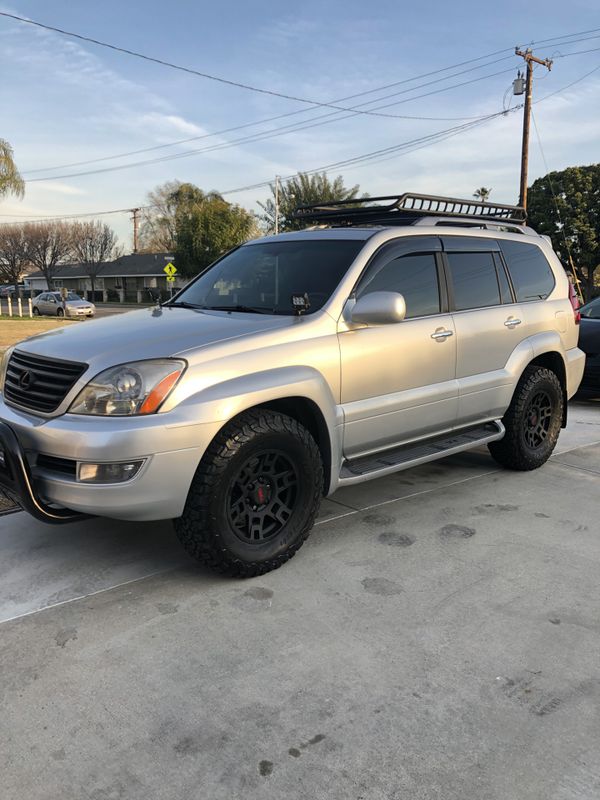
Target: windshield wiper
248	309
182	304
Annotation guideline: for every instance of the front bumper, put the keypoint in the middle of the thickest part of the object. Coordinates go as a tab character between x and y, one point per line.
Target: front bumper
171	445
80	312
17	480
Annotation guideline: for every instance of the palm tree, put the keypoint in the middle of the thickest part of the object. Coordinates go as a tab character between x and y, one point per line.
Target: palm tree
11	181
482	193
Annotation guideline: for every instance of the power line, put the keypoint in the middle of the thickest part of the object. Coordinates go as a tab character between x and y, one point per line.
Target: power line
416	145
206	75
179	67
355	109
252	138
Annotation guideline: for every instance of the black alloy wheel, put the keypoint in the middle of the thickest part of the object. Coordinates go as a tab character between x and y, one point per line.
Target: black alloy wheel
255	495
537	419
263	496
533	421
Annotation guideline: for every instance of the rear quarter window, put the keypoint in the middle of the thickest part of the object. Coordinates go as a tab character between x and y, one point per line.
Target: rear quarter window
531	274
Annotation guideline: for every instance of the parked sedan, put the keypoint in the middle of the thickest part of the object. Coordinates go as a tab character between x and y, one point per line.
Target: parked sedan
589	342
52	303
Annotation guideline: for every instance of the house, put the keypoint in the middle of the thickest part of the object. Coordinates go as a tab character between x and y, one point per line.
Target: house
124	280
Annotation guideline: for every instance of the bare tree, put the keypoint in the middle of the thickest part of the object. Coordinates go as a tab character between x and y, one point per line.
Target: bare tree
158	234
49	246
93	244
14	256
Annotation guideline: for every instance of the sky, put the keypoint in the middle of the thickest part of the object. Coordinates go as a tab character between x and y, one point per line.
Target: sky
64	101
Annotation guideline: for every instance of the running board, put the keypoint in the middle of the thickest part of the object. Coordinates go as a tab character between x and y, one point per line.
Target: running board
411	455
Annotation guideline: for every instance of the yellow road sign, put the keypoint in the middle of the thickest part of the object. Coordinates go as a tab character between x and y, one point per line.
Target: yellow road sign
170	278
170	269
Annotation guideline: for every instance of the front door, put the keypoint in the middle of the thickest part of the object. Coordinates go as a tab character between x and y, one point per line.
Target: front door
398	380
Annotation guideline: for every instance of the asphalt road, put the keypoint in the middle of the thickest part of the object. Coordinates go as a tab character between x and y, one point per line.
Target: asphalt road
438	637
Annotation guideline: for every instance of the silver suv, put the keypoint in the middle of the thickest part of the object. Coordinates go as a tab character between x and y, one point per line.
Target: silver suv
394	332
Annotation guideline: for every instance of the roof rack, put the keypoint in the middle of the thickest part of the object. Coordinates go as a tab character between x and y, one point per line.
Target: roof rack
406	209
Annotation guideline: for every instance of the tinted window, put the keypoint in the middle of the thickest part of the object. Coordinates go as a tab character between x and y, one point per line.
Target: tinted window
474	280
264	276
415	277
530	272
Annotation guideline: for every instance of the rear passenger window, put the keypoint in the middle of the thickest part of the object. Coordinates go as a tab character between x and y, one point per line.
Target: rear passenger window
530	272
474	280
413	276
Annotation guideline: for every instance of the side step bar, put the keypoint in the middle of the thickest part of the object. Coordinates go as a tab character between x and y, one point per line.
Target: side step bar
411	455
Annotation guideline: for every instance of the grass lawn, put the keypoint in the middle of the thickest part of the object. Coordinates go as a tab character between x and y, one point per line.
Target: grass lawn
18	328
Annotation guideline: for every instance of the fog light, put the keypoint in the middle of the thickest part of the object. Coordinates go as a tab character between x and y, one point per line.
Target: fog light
108	473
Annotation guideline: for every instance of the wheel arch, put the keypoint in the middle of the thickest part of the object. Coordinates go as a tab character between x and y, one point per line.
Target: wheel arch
554	361
308	414
299	392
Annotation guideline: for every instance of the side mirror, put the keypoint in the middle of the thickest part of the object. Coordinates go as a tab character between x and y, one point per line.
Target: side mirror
379	308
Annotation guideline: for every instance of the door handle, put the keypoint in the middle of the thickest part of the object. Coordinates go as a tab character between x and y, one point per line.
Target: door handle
441	334
511	322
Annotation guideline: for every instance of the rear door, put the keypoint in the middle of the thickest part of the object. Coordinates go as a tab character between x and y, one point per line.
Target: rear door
488	323
398	380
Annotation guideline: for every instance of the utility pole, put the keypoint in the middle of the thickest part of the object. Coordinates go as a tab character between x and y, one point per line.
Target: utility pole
135	212
530	60
276	204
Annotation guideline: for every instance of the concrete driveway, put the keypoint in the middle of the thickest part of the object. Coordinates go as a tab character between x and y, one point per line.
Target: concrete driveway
437	637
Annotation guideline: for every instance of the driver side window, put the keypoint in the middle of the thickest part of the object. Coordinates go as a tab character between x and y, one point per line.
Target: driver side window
414	276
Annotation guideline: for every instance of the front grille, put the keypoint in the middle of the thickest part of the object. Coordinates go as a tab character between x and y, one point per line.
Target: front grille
39	383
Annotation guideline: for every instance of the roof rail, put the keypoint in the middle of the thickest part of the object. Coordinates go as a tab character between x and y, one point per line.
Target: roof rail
405	209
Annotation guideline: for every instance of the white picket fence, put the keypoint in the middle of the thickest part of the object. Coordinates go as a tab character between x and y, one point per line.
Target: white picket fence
14	308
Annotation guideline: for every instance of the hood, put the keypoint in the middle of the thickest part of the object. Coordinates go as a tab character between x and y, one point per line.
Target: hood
148	333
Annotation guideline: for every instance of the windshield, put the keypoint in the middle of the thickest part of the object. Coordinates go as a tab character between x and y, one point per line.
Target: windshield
263	277
70	296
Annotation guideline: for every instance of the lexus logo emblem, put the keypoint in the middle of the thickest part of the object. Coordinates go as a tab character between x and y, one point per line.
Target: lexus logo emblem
26	379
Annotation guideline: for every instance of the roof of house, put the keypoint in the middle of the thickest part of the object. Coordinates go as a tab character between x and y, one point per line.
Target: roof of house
134	265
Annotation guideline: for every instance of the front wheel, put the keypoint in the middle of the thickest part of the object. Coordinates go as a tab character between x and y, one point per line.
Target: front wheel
533	421
60	312
36	311
254	497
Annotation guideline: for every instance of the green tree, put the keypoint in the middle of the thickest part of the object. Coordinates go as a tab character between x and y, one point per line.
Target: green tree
482	193
11	181
302	190
566	206
206	226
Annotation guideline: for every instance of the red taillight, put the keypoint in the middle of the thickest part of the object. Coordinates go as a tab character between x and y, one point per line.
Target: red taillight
575	303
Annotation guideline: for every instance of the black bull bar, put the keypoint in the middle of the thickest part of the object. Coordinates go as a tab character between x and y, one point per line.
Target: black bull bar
17	481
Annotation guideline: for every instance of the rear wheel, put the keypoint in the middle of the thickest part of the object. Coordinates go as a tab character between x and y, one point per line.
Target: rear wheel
254	497
36	311
533	421
60	312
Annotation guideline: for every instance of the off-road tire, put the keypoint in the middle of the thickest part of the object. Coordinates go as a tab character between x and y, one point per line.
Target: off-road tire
206	529
514	451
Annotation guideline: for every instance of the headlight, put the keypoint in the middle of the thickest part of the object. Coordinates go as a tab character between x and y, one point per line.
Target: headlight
4	364
129	389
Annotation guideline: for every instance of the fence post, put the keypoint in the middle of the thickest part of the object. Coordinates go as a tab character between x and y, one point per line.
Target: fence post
9	307
20	306
30	307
